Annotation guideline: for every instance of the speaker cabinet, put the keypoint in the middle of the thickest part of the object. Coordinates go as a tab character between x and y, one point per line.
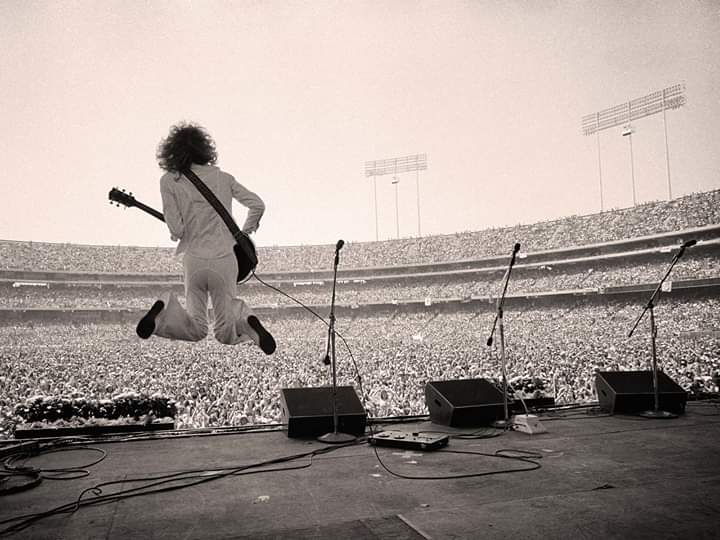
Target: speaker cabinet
308	412
632	392
464	402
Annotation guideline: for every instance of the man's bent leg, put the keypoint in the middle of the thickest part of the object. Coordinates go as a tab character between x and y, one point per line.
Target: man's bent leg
196	292
173	322
234	320
249	326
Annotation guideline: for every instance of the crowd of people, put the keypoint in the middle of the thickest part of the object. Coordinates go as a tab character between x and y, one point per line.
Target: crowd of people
538	279
694	210
396	354
396	350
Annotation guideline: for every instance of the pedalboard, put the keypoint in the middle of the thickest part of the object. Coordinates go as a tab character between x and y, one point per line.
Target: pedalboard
412	441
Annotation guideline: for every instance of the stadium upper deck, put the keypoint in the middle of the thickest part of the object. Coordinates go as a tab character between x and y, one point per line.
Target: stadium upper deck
633	228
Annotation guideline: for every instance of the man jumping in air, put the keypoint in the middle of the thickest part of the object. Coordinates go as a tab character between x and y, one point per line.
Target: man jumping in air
209	263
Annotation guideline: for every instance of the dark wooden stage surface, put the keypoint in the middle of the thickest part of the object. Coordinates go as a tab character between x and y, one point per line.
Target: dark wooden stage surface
600	477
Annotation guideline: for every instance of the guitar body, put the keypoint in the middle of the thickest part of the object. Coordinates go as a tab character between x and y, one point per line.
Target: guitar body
246	259
244	247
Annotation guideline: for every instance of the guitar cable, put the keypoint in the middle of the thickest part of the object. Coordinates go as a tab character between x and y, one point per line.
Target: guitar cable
358	376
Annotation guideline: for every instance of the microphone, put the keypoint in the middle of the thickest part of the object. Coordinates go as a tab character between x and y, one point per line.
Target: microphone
326	359
516	248
338	247
689	243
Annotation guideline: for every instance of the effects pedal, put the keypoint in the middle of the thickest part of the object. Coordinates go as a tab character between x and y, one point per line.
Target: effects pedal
413	441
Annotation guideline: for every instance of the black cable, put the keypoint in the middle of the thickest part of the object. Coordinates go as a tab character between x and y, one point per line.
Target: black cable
399	419
63	473
308	308
186	433
195	477
17	481
573	413
524	456
29	519
575	417
484	433
572	406
11	475
363	396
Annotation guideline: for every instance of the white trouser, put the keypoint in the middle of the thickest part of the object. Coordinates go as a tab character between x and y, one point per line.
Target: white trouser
203	277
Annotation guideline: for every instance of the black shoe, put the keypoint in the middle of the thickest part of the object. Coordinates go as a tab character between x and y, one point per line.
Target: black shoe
267	342
146	326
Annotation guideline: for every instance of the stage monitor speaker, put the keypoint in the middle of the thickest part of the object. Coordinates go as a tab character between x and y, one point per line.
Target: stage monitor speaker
464	402
308	412
632	392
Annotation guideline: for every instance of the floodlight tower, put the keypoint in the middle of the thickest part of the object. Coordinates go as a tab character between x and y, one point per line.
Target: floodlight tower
628	132
396	183
395	166
672	97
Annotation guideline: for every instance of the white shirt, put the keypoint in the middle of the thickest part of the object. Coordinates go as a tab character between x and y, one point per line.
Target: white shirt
192	220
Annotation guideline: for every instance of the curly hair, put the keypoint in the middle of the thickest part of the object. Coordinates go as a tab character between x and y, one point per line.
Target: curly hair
186	144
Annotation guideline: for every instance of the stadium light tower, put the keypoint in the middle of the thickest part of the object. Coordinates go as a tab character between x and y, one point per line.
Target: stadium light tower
414	163
396	183
672	97
628	132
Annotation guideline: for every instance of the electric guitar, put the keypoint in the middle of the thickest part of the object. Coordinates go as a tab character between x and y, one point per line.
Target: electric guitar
244	248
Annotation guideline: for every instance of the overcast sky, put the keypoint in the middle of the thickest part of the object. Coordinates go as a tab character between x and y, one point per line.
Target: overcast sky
298	95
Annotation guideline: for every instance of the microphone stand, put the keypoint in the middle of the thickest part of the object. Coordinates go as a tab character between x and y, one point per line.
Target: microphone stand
505	423
656	412
335	436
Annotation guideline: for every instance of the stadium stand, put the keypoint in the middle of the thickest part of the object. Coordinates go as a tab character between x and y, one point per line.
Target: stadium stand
66	315
696	210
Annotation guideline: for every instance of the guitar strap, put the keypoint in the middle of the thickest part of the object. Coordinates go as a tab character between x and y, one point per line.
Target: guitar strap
244	248
215	203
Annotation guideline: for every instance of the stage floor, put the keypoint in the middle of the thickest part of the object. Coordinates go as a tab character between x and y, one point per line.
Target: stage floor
600	477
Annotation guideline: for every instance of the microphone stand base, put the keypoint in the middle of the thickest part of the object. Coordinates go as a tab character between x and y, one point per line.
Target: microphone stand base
336	438
657	414
503	424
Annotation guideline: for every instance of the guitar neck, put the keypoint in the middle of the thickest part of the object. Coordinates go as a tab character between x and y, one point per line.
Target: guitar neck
149	210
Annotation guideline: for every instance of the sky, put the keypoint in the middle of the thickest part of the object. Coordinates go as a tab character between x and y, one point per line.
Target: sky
298	95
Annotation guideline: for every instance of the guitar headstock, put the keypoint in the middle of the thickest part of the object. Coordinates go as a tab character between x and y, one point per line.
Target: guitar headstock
121	197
